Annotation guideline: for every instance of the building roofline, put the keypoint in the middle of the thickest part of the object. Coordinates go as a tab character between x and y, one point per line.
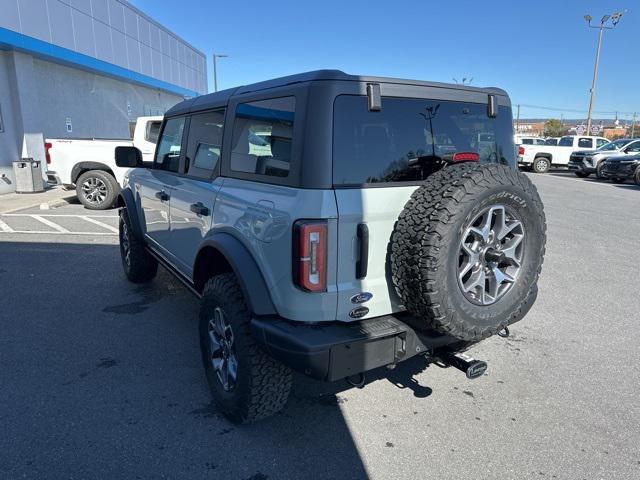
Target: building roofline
159	25
10	40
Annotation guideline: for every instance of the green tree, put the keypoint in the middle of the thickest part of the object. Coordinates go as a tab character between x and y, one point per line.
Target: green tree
553	128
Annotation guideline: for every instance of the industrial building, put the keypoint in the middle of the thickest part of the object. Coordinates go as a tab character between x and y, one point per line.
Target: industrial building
85	69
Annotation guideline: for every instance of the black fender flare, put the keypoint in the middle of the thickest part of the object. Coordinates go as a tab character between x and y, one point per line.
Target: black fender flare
80	167
126	200
246	270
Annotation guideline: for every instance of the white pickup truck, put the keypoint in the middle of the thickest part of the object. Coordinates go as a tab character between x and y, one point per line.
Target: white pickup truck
539	158
89	165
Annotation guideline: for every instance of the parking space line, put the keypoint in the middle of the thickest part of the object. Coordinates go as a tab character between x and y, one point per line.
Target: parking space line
100	224
5	228
49	223
32	232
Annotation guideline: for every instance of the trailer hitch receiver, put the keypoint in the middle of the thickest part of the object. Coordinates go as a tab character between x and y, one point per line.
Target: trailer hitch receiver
471	367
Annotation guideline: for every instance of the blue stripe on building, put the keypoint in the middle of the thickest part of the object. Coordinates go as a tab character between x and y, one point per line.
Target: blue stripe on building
10	40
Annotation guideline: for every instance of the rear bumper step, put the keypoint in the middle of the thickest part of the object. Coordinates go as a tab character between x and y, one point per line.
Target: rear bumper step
338	350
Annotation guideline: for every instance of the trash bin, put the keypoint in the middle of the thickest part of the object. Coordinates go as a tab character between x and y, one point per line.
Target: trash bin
28	173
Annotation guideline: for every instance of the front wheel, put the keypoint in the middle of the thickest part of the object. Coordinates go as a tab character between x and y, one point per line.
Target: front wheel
97	190
541	165
246	384
599	171
138	264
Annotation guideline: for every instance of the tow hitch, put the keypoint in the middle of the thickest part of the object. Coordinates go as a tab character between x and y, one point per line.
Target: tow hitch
471	367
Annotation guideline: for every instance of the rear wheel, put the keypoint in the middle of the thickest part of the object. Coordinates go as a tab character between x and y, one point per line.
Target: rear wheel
467	250
97	190
541	165
246	384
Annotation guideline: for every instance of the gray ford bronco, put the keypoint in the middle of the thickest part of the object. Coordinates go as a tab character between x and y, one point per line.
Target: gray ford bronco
333	224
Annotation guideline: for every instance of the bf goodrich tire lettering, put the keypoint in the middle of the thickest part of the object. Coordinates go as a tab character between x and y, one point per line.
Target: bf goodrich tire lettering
425	248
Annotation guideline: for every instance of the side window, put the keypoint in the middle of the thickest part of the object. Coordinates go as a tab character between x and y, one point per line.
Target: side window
585	143
262	137
600	142
152	131
168	152
633	148
204	144
527	141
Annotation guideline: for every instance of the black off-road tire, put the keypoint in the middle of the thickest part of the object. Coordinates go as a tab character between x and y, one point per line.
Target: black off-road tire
540	165
104	178
581	174
263	384
425	248
141	266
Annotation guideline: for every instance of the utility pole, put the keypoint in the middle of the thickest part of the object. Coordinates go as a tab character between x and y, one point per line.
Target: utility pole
615	18
215	70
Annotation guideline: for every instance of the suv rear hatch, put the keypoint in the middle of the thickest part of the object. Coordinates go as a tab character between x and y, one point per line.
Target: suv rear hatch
379	159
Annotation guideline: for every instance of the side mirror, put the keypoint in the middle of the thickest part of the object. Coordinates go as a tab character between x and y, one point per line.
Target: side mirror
128	157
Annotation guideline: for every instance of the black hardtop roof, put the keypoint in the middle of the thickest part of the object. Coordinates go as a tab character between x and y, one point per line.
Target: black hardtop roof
218	99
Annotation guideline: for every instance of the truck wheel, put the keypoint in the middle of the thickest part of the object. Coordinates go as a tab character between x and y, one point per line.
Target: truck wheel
246	384
138	264
97	190
581	174
541	165
467	250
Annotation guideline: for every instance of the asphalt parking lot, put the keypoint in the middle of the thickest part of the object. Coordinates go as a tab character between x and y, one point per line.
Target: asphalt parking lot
102	379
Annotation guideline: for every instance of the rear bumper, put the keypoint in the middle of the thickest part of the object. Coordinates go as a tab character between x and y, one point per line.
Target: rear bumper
337	350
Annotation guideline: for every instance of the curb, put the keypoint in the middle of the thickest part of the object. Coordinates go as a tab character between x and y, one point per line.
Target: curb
50	205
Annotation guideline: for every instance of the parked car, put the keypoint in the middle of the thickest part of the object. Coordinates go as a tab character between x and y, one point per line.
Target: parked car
519	140
584	163
88	165
259	200
539	158
621	168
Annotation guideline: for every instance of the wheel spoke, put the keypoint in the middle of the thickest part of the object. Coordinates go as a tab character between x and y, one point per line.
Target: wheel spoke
232	365
214	343
510	249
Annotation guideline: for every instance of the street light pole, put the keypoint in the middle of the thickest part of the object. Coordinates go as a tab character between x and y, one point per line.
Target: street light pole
615	18
215	70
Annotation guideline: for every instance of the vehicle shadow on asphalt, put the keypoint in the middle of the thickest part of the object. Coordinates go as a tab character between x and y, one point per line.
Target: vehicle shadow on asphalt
100	375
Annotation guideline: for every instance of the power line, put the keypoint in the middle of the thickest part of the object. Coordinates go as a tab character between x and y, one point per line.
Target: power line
572	110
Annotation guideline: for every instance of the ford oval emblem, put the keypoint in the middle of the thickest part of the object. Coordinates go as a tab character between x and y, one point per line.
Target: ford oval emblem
361	297
358	312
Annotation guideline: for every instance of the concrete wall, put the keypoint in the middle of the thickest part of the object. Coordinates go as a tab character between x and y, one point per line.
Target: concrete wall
112	31
37	96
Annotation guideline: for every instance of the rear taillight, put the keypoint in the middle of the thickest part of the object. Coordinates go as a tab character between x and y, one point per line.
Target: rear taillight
47	155
310	255
521	151
465	157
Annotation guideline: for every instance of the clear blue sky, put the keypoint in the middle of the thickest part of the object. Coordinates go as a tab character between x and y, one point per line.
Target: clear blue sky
541	53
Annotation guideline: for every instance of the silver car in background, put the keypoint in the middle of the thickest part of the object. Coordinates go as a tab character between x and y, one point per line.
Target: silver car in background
584	163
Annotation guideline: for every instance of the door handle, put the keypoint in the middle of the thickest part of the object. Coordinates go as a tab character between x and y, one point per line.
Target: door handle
162	196
199	209
362	263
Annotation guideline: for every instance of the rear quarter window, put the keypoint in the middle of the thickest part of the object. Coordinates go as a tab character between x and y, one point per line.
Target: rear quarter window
263	136
408	139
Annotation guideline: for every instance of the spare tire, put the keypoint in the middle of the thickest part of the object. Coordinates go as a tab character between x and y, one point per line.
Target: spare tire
467	250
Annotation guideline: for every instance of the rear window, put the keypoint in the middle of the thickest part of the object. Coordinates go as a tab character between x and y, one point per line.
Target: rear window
262	137
411	138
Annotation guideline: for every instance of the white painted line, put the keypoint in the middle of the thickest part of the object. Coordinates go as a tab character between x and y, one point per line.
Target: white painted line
50	215
49	223
100	224
5	228
36	232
